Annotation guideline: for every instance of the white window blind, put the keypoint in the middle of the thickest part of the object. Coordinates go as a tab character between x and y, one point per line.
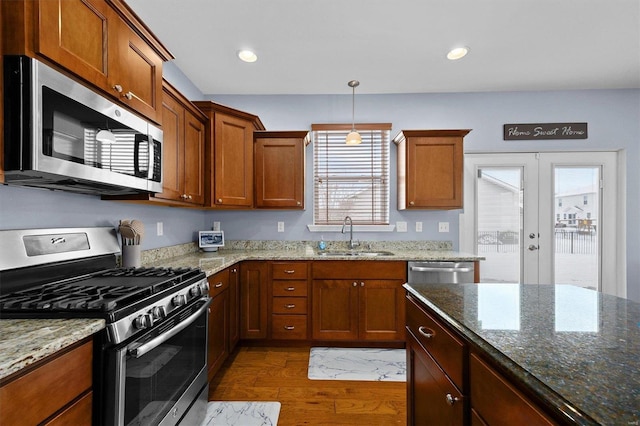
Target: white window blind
351	180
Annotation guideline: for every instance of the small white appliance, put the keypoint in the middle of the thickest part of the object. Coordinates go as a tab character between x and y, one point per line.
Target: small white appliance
210	240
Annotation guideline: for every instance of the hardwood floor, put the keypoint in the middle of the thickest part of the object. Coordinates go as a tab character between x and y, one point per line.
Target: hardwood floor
280	374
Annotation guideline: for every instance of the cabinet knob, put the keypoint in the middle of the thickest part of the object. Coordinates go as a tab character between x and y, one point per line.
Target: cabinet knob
298	203
361	284
128	95
219	200
234	270
412	203
355	284
426	332
117	88
451	399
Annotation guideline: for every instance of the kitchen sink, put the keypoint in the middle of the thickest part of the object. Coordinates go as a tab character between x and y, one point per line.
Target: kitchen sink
355	253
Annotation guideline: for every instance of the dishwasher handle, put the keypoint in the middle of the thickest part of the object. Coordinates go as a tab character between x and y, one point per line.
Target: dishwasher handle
436	269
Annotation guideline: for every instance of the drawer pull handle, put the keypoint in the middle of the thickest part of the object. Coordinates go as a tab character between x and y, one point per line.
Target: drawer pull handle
290	289
218	285
289	327
290	306
426	332
289	271
451	399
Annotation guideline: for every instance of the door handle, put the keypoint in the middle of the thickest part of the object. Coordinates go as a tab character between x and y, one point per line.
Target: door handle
533	247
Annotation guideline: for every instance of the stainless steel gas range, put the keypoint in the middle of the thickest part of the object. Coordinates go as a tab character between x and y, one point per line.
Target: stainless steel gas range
150	363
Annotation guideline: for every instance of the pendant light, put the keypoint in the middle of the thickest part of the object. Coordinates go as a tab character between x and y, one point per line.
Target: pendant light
353	138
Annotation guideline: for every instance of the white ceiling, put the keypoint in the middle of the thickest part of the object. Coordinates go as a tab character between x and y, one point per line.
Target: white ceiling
399	46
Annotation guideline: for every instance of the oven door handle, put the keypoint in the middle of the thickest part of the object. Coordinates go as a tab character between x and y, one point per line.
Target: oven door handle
139	351
436	269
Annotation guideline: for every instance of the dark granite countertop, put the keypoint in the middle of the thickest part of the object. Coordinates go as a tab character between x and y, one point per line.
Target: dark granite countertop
577	349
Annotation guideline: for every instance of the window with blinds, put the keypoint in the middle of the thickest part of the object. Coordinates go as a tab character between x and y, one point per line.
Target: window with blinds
351	180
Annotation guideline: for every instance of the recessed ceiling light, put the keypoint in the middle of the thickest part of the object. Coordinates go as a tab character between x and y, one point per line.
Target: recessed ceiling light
457	53
247	56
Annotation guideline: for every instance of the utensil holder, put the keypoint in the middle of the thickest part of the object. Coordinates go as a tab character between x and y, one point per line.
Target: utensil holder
131	256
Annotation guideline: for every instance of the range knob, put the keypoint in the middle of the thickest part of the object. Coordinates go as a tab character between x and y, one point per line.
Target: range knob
143	321
204	286
195	291
158	312
179	300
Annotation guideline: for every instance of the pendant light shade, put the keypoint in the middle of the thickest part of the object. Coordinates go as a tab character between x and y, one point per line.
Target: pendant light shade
354	137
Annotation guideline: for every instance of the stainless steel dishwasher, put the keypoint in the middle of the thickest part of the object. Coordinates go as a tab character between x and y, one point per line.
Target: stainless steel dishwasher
440	272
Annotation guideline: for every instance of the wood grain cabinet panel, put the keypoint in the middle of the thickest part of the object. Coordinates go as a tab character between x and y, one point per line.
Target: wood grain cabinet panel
430	169
280	169
289	301
228	156
218	346
359	301
234	307
254	300
50	389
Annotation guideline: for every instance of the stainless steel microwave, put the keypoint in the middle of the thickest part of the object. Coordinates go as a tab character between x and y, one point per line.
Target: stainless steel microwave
58	134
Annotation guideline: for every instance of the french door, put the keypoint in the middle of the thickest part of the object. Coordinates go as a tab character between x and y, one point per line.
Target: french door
543	217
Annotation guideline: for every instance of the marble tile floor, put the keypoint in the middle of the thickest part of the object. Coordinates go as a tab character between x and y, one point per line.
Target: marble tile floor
366	364
241	413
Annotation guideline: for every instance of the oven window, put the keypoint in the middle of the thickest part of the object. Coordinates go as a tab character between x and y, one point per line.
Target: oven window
156	380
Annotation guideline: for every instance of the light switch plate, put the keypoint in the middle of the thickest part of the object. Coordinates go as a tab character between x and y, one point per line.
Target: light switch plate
159	229
216	226
443	226
401	226
280	226
418	226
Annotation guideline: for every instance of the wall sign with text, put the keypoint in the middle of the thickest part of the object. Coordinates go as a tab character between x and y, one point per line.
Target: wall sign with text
545	131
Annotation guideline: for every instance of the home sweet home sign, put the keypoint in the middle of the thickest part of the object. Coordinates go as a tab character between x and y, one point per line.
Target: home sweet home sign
545	131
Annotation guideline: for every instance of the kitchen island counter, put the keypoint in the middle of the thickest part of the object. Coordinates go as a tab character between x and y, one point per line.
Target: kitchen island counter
576	350
23	342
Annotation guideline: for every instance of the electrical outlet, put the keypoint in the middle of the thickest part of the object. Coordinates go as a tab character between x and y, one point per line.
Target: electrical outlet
418	226
159	229
280	226
401	226
443	226
216	226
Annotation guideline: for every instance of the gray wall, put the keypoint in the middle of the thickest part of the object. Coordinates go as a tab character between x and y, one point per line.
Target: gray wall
614	124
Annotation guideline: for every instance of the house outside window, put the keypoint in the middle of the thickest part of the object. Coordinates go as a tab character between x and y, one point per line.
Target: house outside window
351	180
585	200
559	202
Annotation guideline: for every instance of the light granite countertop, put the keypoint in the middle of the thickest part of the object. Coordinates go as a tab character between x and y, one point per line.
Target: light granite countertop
25	341
577	349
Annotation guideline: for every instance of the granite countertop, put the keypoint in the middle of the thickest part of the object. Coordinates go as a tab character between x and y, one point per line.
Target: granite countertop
25	341
212	262
576	348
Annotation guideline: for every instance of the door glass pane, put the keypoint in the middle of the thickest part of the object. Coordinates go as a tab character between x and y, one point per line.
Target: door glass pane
499	214
576	214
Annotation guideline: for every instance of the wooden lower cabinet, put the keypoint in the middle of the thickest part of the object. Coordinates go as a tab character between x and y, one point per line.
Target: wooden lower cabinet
432	399
289	300
254	317
234	307
57	391
218	346
358	301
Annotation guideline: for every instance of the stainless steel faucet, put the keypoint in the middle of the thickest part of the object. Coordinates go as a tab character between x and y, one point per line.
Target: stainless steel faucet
352	244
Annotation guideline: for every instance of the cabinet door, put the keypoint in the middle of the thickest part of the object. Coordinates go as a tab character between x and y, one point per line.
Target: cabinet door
254	281
76	34
434	172
218	333
279	172
172	147
234	307
193	159
335	310
135	72
233	164
381	310
431	398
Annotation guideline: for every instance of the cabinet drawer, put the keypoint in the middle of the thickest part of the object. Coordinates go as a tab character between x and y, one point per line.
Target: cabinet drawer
218	282
290	288
487	387
446	349
48	388
79	413
289	271
289	305
293	327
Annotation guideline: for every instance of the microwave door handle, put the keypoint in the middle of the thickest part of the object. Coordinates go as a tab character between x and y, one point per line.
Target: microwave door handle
139	351
151	157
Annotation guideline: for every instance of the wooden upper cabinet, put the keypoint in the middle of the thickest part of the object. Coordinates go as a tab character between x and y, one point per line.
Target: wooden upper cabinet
229	156
100	41
430	169
280	169
183	149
